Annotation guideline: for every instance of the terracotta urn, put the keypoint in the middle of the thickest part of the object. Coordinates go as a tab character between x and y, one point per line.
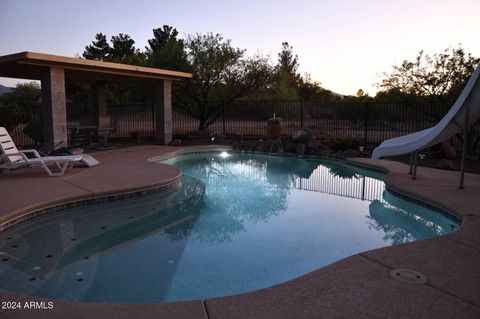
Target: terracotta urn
274	128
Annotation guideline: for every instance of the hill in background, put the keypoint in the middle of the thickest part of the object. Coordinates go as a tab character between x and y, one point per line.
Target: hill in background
5	89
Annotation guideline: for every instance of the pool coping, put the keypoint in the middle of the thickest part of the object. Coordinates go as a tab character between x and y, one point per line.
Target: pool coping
256	303
43	208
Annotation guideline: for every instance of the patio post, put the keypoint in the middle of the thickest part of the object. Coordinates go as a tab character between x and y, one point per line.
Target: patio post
54	111
465	142
410	172
99	100
415	163
163	111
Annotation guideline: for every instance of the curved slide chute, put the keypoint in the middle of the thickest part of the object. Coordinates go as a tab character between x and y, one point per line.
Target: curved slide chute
451	124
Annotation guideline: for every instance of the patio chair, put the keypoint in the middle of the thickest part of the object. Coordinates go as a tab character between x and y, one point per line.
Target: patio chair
84	132
106	127
11	158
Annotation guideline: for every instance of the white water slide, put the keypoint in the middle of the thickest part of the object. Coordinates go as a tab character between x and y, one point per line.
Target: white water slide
467	105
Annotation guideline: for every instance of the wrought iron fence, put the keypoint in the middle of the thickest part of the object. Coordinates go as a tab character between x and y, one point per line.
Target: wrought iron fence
369	123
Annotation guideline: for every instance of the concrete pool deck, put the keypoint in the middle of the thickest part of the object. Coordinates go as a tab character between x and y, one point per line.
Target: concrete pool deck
355	287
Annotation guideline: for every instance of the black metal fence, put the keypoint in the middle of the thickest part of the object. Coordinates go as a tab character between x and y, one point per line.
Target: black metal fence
369	123
126	118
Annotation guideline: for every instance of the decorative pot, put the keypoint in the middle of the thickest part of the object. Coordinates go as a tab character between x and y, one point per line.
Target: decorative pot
274	128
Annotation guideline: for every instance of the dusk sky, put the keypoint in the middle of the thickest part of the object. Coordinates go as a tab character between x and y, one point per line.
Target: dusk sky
344	44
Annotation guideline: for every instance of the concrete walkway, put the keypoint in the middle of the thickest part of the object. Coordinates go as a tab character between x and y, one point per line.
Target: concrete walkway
356	287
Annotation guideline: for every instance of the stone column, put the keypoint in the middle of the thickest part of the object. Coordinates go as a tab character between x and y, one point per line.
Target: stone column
163	111
54	108
99	93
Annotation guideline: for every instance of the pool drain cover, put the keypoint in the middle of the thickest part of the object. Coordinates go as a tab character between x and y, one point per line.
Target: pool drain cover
408	276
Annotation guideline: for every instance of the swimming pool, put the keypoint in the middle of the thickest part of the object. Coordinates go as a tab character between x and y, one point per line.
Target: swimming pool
235	223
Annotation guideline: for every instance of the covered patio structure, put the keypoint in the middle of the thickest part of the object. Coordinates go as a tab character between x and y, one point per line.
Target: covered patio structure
55	71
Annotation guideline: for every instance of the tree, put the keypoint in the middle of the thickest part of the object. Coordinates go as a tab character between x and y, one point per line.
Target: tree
99	50
309	90
25	94
221	74
287	79
362	95
12	104
121	50
165	50
286	61
438	78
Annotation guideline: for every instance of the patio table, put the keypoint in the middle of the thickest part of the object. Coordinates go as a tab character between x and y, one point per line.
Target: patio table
75	130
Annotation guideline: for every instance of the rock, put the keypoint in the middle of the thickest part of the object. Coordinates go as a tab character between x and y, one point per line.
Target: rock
303	136
265	147
314	144
449	152
220	139
314	151
276	147
326	153
300	149
175	143
445	164
350	153
289	147
337	154
250	147
75	150
286	138
236	146
287	154
315	148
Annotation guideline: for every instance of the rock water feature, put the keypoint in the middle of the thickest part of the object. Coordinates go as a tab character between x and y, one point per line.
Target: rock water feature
300	143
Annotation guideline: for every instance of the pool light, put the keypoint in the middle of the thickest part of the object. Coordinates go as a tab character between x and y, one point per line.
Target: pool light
224	155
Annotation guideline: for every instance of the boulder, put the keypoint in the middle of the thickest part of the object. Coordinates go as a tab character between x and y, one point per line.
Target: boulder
445	164
289	147
287	154
300	149
350	153
175	143
303	136
265	146
449	152
314	151
277	147
286	138
326	153
236	146
337	154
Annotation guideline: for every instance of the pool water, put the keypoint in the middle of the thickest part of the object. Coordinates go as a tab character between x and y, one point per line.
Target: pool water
234	224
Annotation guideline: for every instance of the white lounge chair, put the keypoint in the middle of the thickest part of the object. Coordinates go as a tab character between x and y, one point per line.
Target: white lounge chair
12	158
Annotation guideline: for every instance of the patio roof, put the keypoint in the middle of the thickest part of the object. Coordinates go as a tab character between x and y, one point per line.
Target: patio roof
28	65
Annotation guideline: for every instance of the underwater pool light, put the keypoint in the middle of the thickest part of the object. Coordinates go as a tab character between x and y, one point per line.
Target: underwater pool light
224	155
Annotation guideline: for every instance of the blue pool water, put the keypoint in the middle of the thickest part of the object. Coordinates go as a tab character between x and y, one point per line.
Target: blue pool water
233	224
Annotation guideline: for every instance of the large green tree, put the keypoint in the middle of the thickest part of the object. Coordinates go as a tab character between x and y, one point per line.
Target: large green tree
99	49
15	105
25	94
287	79
221	74
122	50
435	78
165	50
309	90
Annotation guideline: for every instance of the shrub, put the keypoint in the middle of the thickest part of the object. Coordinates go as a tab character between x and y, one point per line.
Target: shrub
345	144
